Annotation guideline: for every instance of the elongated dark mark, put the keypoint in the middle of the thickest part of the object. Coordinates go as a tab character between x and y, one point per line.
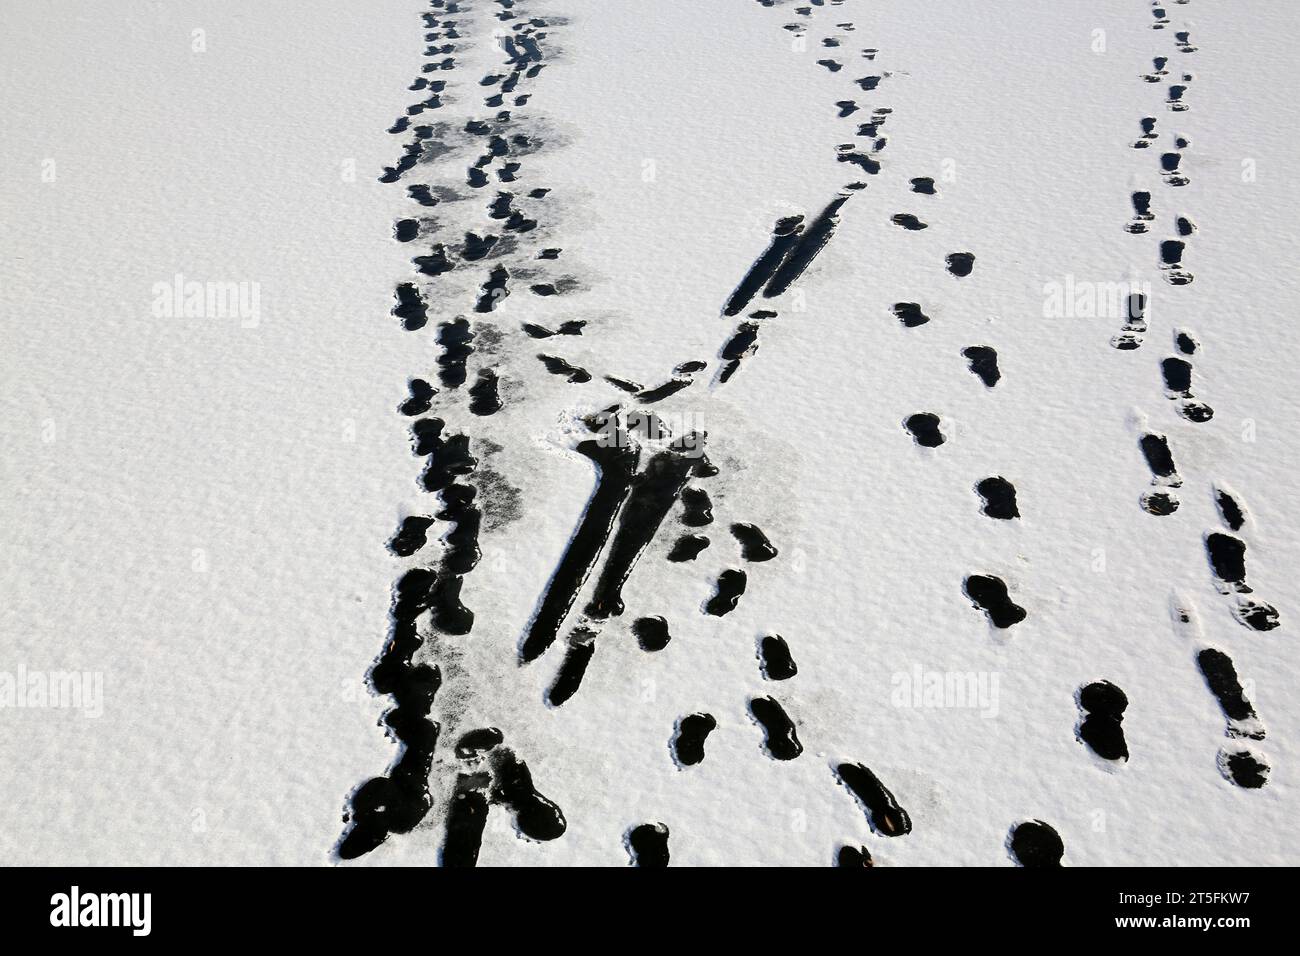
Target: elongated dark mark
1035	844
466	818
651	633
648	845
558	366
809	243
775	659
784	237
1229	509
754	545
780	739
908	222
731	585
887	818
1102	726
984	363
688	547
475	743
989	594
688	742
616	466
582	647
670	387
653	494
999	497
1221	677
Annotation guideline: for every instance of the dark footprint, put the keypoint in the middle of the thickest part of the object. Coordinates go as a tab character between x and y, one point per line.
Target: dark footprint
960	264
989	594
853	856
923	185
1035	844
688	547
1159	503
420	399
754	545
411	536
558	366
484	396
410	307
908	222
651	633
731	585
1221	677
1244	769
406	229
999	498
1102	726
782	743
774	658
697	509
924	428
648	845
984	363
536	817
885	815
1155	449
910	314
1228	559
1231	512
688	744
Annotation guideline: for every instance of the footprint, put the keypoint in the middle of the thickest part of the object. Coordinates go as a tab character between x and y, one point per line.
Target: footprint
1102	728
923	185
648	845
582	647
651	633
908	222
984	363
999	498
910	314
782	742
536	817
420	399
411	536
924	428
1035	844
887	818
989	594
1244	769
697	509
774	658
688	743
688	547
731	585
960	264
754	545
853	856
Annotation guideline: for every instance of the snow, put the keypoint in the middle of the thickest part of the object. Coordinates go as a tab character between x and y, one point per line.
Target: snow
199	506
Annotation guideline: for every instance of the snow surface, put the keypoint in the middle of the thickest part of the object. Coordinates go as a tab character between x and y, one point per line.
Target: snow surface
198	508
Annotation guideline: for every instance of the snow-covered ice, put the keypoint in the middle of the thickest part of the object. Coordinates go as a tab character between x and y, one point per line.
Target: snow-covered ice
962	332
